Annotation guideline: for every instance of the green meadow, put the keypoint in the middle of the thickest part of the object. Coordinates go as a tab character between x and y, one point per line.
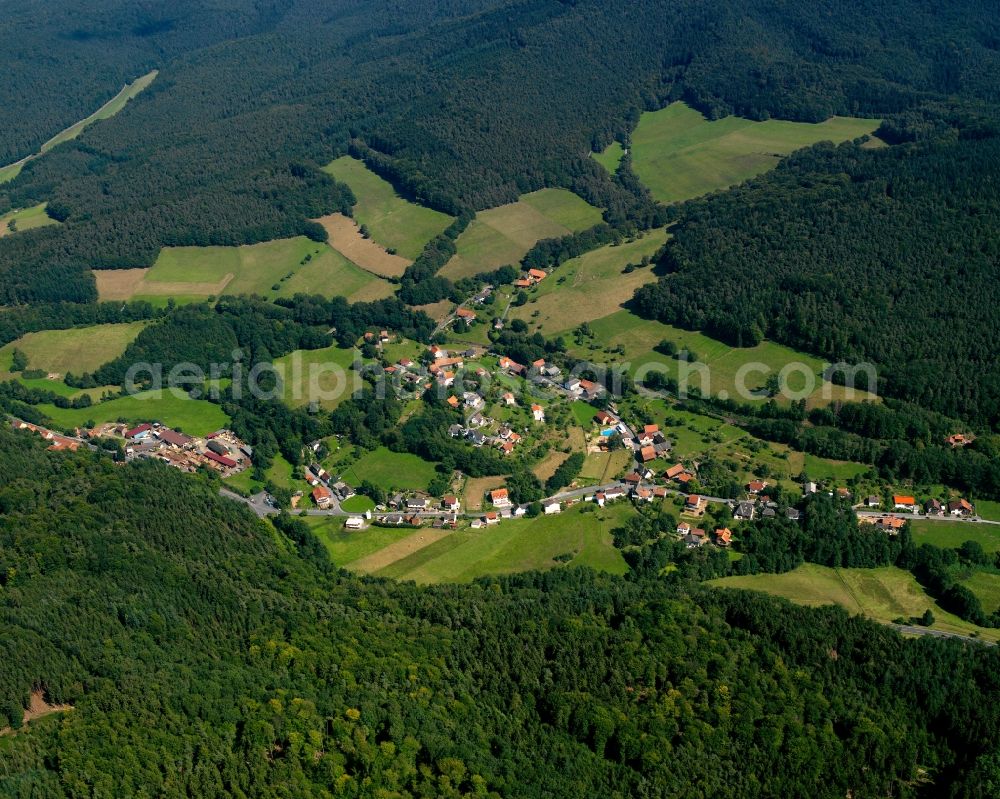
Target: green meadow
25	219
196	417
591	286
347	546
77	350
679	154
504	234
392	221
952	534
278	268
393	471
719	369
611	157
882	594
322	376
576	538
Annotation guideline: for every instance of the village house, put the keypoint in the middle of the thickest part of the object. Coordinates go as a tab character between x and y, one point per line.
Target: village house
632	479
674	471
960	507
792	514
322	496
465	314
453	401
140	433
604	418
538	413
873	501
572	385
935	508
508	399
810	488
905	503
683	528
500	498
491	517
744	511
723	536
451	502
647	454
354	523
643	494
615	492
537	274
473	400
959	440
417	504
551	507
590	390
754	487
695	504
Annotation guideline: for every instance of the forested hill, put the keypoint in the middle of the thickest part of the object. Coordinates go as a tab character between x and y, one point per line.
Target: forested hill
207	655
886	256
463	104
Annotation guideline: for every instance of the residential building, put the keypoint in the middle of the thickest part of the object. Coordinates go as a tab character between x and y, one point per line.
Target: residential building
500	498
538	413
322	496
551	507
905	503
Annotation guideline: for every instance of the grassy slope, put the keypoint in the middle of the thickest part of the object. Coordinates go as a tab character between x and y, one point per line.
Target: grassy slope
591	286
515	546
611	157
391	470
109	109
78	350
882	594
393	222
503	235
294	265
679	154
949	535
197	417
25	219
640	336
324	376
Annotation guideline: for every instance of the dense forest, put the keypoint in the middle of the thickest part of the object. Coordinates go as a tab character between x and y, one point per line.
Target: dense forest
887	256
470	103
226	658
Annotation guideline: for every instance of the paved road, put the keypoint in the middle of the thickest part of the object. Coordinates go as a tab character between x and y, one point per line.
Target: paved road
909	629
922	517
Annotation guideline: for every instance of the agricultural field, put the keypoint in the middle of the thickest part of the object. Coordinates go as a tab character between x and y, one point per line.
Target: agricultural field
399	471
504	234
591	286
195	417
271	269
679	154
77	350
347	546
25	219
604	467
624	338
393	222
952	534
109	109
322	376
578	539
345	237
881	594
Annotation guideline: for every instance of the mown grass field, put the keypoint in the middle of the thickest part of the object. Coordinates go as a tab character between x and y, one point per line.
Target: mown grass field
988	509
591	286
504	234
679	154
392	221
25	219
77	350
346	546
952	534
278	268
196	417
109	109
391	470
611	157
322	376
881	594
986	586
517	546
720	369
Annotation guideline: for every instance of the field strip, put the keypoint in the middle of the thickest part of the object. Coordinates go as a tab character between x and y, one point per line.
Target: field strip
345	238
397	551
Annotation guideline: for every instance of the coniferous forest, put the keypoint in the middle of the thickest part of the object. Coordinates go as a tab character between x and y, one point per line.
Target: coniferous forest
195	650
206	654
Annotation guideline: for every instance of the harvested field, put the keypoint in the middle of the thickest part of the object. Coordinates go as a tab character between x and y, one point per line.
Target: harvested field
397	551
346	238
